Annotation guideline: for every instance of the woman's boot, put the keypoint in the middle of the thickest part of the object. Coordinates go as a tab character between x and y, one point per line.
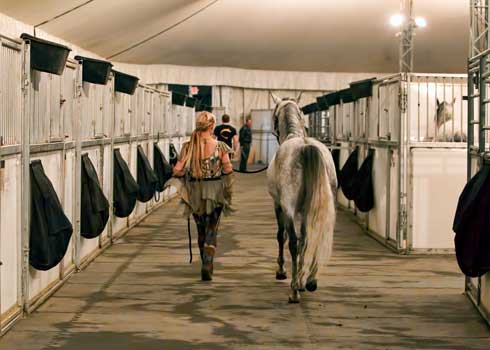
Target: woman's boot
208	256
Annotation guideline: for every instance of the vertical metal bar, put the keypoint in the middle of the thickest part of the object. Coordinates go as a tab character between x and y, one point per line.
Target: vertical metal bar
483	108
25	162
427	114
418	111
453	101
112	135
403	149
78	165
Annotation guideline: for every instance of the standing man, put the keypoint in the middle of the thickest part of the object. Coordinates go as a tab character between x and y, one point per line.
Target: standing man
227	133
245	141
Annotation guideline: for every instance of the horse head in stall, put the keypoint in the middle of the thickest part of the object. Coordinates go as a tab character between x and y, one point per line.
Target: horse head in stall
444	123
302	182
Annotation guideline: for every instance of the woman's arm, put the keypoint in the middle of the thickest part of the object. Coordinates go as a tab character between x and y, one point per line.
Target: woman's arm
226	163
178	169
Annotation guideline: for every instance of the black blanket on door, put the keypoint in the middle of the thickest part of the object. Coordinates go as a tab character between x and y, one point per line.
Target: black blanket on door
125	187
162	168
146	177
94	205
472	225
363	187
347	175
50	229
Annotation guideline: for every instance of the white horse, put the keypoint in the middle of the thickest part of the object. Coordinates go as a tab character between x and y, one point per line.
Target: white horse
302	182
446	130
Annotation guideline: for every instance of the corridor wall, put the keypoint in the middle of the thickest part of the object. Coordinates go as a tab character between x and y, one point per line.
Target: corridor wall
55	118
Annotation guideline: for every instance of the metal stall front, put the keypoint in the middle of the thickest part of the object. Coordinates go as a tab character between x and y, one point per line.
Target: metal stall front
56	117
417	174
478	288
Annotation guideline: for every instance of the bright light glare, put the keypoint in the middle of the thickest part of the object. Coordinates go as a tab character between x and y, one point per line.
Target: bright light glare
420	22
397	20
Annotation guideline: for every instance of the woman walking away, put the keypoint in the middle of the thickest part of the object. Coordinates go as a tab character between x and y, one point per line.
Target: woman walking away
204	177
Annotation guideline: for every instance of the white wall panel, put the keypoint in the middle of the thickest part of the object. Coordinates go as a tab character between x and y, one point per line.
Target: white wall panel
10	234
438	177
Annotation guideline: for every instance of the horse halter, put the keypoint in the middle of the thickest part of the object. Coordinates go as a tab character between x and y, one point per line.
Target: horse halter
279	107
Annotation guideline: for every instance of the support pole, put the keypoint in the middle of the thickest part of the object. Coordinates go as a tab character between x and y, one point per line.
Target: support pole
25	173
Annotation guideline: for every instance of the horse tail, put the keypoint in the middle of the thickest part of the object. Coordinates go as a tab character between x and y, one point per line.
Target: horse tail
317	209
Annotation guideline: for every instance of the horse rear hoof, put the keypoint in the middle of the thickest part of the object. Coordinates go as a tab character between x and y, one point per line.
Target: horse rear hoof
293	301
281	276
311	286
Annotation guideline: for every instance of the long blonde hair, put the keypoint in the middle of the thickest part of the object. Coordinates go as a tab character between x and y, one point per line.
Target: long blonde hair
193	156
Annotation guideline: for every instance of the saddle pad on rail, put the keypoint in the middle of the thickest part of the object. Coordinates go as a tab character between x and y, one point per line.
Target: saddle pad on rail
347	176
162	168
125	187
364	196
146	177
472	225
50	229
94	207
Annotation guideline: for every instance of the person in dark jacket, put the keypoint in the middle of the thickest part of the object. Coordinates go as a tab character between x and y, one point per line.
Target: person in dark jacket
245	140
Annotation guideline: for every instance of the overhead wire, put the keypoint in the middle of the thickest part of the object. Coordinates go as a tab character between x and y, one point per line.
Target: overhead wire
139	43
61	15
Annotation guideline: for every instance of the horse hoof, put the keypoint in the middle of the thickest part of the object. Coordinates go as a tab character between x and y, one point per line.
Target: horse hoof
311	286
281	276
293	300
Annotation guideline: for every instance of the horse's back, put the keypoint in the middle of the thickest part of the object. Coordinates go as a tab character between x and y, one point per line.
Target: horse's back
285	174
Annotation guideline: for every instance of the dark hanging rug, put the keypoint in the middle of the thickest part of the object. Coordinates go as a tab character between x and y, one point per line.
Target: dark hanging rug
147	179
94	205
173	154
363	185
50	229
47	56
347	175
95	71
162	168
125	187
472	225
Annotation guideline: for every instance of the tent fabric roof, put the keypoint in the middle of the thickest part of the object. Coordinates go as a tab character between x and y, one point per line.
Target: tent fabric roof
310	35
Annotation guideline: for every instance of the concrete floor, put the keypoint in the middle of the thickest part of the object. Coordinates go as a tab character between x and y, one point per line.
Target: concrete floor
142	294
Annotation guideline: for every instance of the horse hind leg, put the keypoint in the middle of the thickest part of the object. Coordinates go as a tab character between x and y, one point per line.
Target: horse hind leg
281	239
293	249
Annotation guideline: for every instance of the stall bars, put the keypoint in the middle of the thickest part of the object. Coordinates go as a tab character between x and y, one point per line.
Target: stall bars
412	166
478	289
56	118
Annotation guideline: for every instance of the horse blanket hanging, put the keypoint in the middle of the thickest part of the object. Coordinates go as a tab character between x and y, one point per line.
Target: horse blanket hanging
472	225
94	205
147	179
50	229
125	187
162	168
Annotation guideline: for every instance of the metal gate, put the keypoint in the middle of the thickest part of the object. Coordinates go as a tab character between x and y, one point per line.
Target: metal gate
478	289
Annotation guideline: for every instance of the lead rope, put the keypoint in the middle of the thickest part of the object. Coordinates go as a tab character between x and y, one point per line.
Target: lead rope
190	238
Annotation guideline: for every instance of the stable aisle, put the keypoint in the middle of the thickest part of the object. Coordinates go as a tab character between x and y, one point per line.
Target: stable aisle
142	294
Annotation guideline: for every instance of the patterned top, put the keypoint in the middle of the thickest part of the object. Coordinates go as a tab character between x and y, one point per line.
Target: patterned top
211	166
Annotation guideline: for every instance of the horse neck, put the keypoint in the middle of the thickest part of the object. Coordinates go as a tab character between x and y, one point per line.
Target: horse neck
293	125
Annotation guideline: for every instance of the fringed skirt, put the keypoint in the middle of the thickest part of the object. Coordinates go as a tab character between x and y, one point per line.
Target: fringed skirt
201	197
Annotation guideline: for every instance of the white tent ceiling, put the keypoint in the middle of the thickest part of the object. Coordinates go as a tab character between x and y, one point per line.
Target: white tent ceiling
306	35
